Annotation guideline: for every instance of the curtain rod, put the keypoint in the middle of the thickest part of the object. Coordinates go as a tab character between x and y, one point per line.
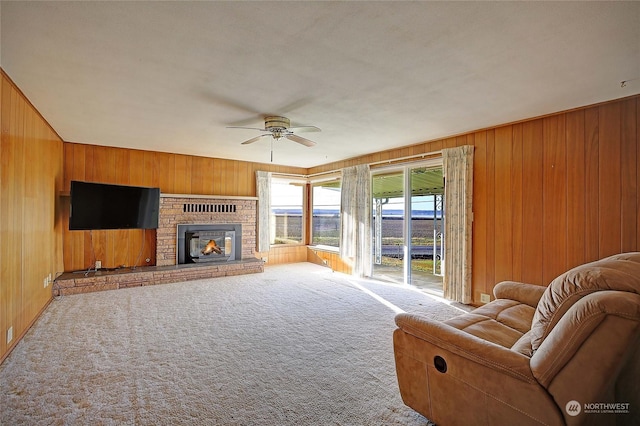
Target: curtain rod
375	163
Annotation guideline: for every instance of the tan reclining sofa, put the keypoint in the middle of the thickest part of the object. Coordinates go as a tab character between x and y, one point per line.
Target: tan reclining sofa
563	354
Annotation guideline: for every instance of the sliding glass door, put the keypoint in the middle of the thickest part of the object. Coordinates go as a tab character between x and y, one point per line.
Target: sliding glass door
388	226
407	225
425	228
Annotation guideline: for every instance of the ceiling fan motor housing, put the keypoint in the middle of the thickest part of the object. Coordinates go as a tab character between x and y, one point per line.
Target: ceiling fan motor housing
275	122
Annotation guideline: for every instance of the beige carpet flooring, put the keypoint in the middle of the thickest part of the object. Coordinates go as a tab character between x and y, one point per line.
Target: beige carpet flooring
297	345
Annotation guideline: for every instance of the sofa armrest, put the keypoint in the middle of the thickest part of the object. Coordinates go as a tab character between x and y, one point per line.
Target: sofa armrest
529	294
466	345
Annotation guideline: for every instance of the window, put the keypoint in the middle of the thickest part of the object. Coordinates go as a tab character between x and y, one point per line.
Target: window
325	221
287	218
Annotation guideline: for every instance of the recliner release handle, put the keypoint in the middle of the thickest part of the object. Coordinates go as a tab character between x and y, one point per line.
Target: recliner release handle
440	364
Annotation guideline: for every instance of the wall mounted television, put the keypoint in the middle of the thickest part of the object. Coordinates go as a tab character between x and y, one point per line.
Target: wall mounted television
104	206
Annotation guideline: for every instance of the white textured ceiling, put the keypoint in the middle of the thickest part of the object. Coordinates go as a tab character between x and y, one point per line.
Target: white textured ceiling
170	76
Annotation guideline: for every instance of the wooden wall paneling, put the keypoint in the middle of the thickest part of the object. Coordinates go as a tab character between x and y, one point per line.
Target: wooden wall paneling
70	161
628	175
104	171
225	175
447	143
198	175
150	176
609	174
88	254
219	176
118	248
76	254
576	183
74	161
79	163
517	243
209	176
137	163
135	241
104	164
479	240
503	211
232	185
164	165
15	226
490	248
30	176
243	178
31	225
101	249
592	182
532	202
43	205
149	251
638	172
68	165
554	223
122	167
59	203
120	239
89	164
9	242
4	299
136	168
182	175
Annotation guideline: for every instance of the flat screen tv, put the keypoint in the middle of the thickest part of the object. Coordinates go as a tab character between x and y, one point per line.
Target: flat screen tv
105	206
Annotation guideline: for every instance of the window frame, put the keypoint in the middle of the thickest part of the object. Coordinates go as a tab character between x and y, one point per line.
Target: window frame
312	184
303	184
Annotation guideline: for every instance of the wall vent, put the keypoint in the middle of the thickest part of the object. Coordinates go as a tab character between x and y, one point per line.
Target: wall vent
208	208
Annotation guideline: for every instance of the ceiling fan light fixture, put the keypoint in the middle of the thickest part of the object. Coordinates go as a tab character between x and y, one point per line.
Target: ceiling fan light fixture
275	122
279	127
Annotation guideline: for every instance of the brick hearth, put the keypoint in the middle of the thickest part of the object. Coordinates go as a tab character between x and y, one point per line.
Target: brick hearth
174	210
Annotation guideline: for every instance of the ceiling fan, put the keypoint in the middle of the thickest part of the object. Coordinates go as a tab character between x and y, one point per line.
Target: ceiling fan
279	127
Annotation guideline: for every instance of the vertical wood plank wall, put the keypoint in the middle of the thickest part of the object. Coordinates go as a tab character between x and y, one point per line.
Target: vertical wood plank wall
30	226
550	193
172	173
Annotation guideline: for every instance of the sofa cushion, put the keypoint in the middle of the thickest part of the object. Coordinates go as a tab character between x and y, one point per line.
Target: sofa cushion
502	321
619	272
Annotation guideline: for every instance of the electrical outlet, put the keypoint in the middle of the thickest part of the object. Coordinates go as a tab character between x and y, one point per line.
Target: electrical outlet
485	298
45	283
98	264
265	259
10	334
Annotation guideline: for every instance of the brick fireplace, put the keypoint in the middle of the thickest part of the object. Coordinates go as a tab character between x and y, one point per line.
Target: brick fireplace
192	210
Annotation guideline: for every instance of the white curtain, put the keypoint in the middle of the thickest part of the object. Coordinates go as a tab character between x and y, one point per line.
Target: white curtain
355	218
458	218
263	189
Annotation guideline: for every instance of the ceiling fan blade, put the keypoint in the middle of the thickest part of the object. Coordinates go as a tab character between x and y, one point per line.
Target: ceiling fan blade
300	140
252	140
306	128
248	128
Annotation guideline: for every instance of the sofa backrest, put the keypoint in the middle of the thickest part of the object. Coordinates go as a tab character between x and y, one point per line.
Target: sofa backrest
620	272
